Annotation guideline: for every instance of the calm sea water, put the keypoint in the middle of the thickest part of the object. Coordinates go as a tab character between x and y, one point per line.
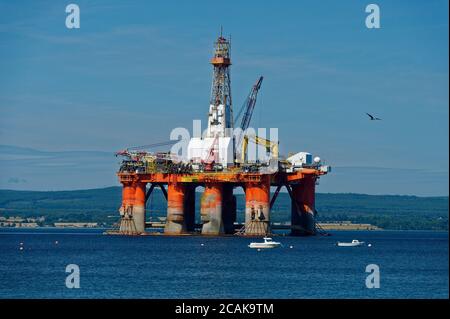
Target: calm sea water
412	265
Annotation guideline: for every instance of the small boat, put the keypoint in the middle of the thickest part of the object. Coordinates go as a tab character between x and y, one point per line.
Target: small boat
354	243
268	243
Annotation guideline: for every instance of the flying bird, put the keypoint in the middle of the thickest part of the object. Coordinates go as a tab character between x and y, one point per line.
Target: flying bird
373	118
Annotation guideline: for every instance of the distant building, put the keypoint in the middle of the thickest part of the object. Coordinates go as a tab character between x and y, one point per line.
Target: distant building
27	225
76	225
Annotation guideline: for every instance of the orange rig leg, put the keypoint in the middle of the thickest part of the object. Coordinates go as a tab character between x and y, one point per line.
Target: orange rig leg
132	211
139	207
303	208
257	207
175	223
211	210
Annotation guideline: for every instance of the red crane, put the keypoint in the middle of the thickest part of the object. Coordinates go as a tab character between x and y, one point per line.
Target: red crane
212	156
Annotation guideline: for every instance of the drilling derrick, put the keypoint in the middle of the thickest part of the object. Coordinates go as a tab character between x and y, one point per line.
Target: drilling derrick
220	116
214	163
219	133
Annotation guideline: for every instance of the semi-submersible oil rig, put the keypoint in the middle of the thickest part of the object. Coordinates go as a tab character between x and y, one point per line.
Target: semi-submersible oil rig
218	162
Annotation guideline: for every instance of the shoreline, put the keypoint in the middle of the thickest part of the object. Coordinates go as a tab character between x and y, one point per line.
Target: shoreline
105	229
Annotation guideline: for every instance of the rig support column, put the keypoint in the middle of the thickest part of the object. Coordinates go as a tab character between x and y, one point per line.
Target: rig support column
303	210
127	222
175	223
211	209
257	207
139	207
229	209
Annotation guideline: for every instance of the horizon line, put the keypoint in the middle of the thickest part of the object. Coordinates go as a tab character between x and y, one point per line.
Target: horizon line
281	191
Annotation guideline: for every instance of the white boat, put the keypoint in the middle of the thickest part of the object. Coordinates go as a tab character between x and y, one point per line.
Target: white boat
354	243
268	243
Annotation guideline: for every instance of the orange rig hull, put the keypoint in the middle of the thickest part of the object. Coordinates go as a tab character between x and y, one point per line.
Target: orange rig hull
218	204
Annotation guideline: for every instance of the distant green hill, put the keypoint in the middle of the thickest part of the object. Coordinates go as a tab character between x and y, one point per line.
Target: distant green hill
101	205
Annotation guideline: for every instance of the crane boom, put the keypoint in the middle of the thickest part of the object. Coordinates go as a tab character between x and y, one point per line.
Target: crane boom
271	146
250	104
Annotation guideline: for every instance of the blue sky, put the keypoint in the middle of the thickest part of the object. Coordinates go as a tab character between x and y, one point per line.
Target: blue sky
137	69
